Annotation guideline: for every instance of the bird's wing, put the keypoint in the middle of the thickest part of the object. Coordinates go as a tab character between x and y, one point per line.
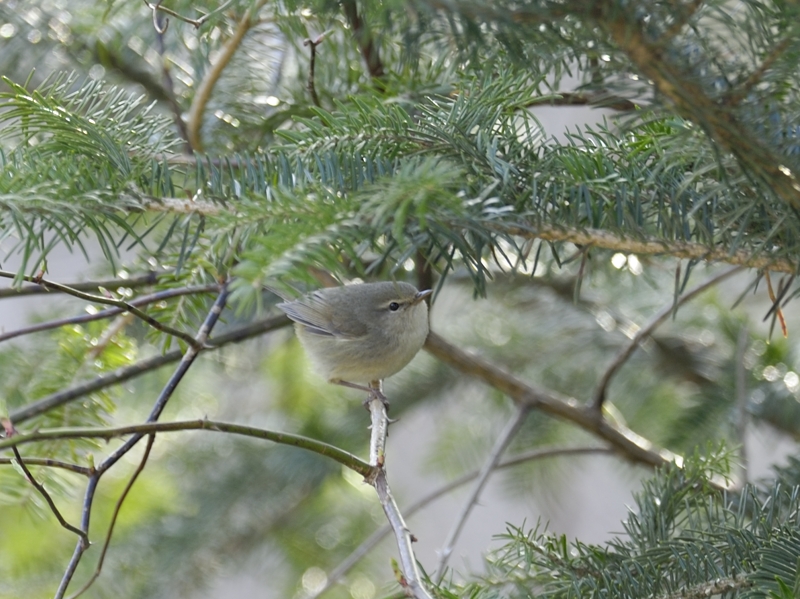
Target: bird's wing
310	311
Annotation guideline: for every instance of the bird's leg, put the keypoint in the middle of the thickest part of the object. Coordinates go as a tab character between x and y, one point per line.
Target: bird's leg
375	390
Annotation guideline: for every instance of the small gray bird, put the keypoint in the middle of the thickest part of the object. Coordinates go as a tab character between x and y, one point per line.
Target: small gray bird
358	335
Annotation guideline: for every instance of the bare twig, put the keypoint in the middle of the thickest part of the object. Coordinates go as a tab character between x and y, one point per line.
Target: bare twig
160	29
143	366
379	430
198	342
51	463
311	86
195	22
343	457
139	301
597	99
509	432
144	280
411	578
206	86
84	539
368	544
742	343
600	392
108	301
150	439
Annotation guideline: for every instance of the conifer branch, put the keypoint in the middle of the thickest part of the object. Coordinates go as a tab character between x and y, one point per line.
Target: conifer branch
206	87
691	101
652	246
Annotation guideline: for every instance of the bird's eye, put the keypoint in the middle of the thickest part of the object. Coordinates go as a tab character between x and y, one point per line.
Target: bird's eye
394	306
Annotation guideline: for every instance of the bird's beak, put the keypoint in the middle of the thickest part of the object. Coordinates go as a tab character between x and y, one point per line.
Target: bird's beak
421	295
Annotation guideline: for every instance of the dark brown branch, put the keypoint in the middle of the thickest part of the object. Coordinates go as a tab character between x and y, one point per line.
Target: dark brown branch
312	63
366	44
625	441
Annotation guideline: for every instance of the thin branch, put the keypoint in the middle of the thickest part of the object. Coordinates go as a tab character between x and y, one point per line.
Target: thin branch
144	280
198	342
139	301
742	343
197	23
369	51
150	439
311	86
629	444
369	544
509	432
51	463
128	307
206	87
343	457
600	392
597	99
143	366
84	539
410	577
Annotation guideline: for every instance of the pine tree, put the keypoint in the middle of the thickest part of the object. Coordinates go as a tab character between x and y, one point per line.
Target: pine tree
608	284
